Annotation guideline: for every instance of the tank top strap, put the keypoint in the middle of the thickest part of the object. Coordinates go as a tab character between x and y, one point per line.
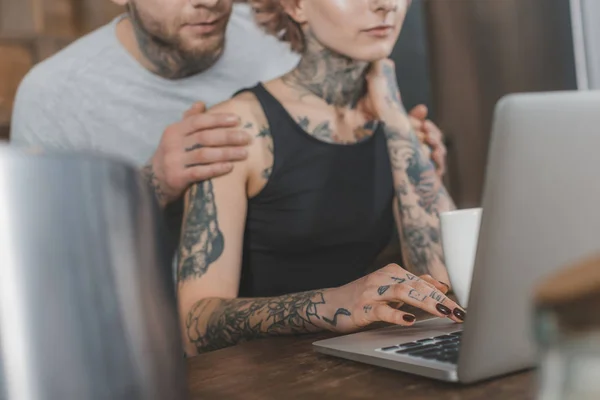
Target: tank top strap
277	116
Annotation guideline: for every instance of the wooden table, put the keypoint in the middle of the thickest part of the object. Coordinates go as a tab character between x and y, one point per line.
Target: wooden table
287	368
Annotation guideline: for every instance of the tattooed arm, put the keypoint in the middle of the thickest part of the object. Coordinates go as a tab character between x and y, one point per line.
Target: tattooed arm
420	197
420	193
210	256
210	262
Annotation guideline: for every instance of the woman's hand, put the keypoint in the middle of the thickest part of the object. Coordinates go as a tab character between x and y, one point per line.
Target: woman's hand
383	98
431	135
384	102
376	297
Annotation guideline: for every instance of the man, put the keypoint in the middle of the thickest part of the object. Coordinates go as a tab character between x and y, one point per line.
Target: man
121	89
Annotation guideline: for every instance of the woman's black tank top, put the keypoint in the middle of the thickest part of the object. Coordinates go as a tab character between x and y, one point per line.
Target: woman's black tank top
324	215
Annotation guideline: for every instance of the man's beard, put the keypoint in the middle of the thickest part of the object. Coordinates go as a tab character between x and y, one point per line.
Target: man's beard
167	53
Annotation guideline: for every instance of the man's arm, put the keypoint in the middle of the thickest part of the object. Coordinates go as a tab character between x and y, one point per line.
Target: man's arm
200	147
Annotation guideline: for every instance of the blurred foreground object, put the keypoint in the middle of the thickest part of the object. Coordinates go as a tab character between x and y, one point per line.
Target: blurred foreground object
87	304
568	331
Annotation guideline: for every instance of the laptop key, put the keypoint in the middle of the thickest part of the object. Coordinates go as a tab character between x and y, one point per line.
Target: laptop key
390	348
425	351
409	344
425	347
445	342
456	333
406	351
432	355
428	340
442	337
412	350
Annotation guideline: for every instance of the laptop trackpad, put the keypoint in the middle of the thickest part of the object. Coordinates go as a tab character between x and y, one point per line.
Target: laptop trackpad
377	338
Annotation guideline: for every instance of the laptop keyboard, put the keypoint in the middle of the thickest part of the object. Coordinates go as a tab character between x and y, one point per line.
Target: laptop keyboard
443	348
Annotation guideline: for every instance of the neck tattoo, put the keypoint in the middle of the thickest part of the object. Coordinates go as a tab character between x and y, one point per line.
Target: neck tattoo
168	59
337	79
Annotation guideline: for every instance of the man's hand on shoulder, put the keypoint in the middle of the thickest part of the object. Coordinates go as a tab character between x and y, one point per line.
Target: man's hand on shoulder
199	147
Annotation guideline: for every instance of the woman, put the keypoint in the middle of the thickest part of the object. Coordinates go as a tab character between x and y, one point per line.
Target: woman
280	245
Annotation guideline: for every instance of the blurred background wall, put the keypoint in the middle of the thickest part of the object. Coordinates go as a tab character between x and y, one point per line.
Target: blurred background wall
32	30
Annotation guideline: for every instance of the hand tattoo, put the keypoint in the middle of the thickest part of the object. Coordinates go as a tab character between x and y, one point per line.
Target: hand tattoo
194	147
437	296
394	93
340	311
413	294
367	308
383	289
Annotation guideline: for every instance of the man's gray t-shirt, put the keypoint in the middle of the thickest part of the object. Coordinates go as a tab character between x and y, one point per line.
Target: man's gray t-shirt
94	95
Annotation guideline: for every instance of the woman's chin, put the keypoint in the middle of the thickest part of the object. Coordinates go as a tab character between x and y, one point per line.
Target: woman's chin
372	54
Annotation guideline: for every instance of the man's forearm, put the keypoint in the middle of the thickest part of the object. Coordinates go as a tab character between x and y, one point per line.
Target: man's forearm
421	196
215	323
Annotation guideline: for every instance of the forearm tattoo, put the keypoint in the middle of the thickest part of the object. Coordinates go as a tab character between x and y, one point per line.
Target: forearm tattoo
202	242
420	196
216	323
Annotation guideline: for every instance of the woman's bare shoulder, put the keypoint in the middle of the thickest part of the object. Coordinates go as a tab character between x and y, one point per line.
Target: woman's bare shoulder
246	106
254	122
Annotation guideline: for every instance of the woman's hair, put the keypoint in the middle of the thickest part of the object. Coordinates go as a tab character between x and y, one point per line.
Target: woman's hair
271	16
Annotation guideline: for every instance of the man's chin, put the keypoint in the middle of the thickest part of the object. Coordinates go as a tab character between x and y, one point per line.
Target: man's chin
199	62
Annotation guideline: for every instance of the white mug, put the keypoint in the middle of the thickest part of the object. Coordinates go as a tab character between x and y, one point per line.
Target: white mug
460	233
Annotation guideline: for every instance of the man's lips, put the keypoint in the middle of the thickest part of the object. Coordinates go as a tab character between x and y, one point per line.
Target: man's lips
204	27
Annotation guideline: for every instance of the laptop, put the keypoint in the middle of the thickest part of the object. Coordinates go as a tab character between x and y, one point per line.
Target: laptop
540	213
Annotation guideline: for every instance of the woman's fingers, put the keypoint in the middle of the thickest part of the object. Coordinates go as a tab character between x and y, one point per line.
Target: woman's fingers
437	297
424	298
442	287
385	313
400	275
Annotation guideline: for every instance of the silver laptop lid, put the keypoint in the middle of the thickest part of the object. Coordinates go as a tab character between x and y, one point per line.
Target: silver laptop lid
540	203
87	304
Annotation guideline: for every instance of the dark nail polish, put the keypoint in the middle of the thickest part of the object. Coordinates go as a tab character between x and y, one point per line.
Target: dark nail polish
443	309
408	318
460	314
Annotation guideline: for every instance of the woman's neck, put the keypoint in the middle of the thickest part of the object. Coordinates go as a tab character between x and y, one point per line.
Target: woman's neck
337	79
